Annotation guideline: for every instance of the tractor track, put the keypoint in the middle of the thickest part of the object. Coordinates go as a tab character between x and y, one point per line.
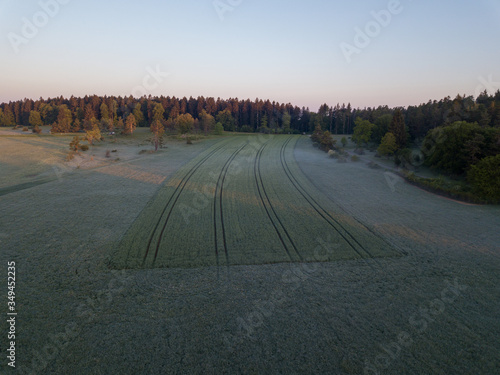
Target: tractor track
314	204
220	182
321	211
258	177
177	192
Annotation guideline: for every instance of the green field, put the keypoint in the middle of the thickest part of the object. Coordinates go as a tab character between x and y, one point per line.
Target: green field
164	220
243	201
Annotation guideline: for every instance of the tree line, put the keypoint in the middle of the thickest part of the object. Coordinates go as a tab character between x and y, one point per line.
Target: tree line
75	114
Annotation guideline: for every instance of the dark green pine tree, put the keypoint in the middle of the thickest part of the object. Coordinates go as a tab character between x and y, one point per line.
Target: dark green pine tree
398	128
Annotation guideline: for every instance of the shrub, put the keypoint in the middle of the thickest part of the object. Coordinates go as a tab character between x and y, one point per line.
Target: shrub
246	129
359	151
317	133
404	156
74	145
25	129
219	129
84	147
264	130
94	134
485	178
326	141
355	158
362	131
36	129
388	145
333	154
343	152
452	189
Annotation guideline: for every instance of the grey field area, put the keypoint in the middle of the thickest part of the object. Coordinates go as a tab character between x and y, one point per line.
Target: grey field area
432	309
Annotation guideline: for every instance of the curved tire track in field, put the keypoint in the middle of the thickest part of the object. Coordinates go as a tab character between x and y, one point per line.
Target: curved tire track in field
177	192
220	181
258	177
314	204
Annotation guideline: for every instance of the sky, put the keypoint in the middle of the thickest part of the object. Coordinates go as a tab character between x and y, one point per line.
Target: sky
366	52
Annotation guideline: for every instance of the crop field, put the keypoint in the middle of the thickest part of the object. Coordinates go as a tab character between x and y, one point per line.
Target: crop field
240	254
243	202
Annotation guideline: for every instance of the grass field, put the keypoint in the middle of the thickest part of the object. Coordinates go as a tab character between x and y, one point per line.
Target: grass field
28	160
240	255
242	203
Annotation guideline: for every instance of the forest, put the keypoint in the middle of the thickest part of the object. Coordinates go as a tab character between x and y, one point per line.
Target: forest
259	115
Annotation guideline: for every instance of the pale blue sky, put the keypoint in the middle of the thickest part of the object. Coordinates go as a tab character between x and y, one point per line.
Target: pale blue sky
288	51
